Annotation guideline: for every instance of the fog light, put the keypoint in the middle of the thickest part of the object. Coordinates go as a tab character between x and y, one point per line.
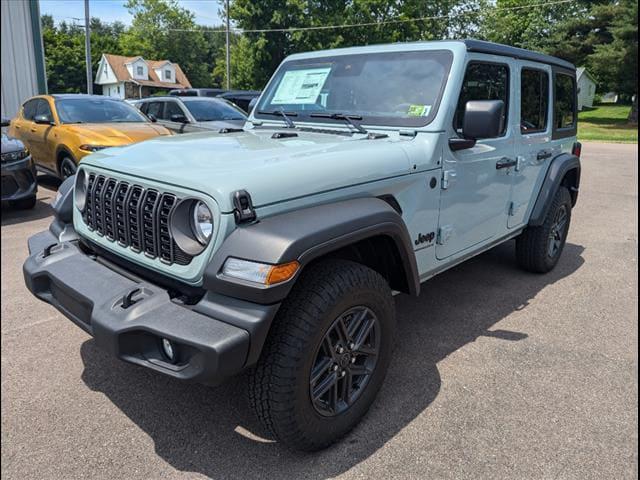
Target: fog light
167	348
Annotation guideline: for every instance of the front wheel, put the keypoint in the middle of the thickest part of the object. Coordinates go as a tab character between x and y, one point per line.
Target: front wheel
538	249
326	355
67	168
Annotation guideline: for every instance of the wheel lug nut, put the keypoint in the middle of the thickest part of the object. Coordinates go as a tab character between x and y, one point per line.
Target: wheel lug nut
343	373
335	368
340	349
352	345
353	359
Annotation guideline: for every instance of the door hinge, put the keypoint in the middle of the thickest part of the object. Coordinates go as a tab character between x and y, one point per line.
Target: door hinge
444	234
448	178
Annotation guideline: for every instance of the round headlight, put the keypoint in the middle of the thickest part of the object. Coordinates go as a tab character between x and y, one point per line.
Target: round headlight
80	190
202	222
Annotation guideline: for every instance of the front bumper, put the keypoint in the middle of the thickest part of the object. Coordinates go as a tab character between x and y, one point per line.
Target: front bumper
90	292
18	180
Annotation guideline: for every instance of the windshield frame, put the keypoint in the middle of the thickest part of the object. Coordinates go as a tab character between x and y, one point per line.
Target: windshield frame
446	60
58	101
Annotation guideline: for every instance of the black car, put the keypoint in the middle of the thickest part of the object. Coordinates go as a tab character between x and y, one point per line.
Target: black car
19	183
242	98
196	92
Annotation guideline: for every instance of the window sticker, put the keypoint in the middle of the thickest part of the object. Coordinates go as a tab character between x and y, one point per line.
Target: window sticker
301	86
419	110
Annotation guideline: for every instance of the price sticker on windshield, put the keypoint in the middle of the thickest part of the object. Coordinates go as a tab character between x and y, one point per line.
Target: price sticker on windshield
301	86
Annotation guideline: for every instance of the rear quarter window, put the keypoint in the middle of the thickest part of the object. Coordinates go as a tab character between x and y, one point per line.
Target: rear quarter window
565	102
534	100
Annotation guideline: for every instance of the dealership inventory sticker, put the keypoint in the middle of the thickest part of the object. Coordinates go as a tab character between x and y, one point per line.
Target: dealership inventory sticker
419	110
301	86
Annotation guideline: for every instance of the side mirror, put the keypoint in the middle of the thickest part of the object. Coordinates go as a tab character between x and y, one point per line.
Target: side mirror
176	117
42	120
5	122
152	117
483	119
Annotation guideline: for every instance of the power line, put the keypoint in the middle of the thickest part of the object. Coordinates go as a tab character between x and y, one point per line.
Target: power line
368	24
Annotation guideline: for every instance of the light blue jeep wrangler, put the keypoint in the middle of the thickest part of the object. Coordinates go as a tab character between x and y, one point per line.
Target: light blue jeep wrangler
277	248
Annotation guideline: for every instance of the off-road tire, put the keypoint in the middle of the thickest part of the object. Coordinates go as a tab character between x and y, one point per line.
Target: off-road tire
24	203
279	383
532	246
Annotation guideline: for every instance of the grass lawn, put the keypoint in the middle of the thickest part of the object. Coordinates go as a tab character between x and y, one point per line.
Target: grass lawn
606	123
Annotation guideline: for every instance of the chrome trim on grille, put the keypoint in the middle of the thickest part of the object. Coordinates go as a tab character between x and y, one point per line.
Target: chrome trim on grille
133	217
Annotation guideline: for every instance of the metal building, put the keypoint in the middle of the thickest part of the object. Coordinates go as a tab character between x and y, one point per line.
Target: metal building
23	68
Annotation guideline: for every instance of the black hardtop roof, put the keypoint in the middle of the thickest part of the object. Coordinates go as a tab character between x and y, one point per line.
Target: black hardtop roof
481	46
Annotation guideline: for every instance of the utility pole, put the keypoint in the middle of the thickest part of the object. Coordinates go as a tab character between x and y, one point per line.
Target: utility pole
228	49
87	47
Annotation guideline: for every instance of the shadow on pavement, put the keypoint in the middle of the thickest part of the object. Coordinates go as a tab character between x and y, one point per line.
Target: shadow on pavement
211	431
47	187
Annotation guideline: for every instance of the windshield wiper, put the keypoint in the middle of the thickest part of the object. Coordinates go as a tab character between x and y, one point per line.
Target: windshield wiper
284	115
341	116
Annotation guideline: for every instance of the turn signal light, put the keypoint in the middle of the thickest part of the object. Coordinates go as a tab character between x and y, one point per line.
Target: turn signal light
282	273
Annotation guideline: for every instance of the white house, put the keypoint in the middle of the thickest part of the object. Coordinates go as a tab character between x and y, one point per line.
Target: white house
586	88
135	77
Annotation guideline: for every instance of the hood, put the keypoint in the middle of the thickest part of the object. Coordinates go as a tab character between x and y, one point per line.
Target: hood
11	144
270	169
117	133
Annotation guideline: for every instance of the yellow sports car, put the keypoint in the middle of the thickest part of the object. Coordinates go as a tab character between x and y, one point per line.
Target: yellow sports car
59	130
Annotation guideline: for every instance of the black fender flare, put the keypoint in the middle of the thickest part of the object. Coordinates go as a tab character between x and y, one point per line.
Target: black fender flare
305	235
558	169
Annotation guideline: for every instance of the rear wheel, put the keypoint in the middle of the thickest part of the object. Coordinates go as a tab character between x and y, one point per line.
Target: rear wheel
326	355
67	167
538	249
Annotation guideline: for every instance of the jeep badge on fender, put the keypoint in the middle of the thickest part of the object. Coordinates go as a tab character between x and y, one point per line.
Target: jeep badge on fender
277	248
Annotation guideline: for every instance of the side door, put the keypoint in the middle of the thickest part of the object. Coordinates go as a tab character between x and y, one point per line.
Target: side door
156	109
21	126
476	184
42	137
171	108
533	146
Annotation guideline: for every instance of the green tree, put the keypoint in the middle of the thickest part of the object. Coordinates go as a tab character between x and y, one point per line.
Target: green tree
265	50
162	30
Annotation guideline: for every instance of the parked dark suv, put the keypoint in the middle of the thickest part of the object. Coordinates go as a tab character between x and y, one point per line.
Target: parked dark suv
19	184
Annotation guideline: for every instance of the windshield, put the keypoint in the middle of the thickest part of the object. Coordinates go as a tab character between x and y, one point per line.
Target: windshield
213	110
97	110
395	88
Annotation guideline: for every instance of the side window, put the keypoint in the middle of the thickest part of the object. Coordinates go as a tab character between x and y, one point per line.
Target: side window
483	81
29	109
172	108
43	108
534	100
143	107
565	101
155	109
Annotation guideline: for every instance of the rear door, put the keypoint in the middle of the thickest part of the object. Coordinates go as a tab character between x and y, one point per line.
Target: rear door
533	138
476	187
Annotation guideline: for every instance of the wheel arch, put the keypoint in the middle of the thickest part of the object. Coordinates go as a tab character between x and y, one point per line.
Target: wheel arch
564	170
366	230
61	152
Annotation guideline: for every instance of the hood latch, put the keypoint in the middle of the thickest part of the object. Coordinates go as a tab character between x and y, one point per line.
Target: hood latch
243	207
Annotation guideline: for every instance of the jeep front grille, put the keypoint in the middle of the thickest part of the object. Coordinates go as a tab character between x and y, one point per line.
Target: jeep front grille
133	217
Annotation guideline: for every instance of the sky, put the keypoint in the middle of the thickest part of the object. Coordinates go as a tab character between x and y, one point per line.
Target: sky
205	11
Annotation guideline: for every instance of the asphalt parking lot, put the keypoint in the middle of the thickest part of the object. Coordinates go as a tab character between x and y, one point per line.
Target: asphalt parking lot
497	374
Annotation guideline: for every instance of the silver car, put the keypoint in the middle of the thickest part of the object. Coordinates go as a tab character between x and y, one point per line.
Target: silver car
192	114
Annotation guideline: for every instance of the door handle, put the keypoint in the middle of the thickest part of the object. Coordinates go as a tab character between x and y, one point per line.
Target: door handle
544	154
505	162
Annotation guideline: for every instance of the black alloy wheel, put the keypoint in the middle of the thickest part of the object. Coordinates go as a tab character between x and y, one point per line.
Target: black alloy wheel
344	361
